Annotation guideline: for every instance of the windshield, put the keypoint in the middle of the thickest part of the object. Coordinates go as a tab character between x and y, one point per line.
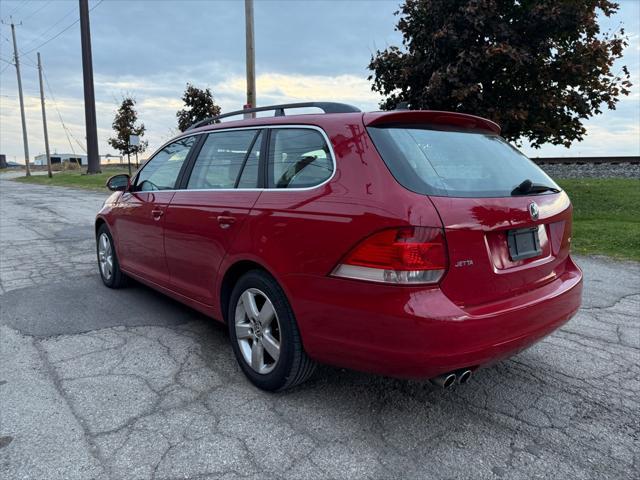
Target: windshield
455	163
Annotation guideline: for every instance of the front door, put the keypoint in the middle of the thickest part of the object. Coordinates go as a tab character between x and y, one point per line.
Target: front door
205	217
139	216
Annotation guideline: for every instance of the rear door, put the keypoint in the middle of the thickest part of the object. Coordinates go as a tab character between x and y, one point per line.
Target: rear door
139	215
208	213
502	241
295	216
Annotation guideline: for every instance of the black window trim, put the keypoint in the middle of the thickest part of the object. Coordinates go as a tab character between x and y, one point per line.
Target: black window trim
263	182
185	172
246	158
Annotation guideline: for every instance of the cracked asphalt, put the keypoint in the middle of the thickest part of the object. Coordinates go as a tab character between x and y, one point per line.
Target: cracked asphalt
102	384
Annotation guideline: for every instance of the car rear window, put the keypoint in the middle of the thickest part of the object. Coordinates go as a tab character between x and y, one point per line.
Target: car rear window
454	163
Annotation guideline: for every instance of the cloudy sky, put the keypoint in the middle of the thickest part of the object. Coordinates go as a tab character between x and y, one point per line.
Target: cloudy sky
305	50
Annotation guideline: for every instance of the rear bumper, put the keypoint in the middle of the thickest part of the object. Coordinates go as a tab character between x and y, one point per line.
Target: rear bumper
419	333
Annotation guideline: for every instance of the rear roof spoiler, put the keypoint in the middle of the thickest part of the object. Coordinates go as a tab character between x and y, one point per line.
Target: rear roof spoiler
409	117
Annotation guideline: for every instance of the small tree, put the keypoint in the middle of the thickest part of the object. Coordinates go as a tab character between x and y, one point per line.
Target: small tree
199	105
124	124
539	68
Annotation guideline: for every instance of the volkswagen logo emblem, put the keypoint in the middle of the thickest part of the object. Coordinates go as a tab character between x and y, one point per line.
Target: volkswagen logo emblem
534	211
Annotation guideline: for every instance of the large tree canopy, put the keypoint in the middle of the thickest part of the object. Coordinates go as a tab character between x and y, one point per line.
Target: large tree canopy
199	105
124	124
539	68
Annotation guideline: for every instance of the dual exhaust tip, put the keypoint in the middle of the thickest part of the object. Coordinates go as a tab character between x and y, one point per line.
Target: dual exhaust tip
448	380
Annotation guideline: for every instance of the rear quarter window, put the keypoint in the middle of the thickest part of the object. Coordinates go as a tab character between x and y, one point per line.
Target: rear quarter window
454	163
298	158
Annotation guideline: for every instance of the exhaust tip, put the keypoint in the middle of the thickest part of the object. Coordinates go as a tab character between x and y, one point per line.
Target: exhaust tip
450	380
445	381
464	376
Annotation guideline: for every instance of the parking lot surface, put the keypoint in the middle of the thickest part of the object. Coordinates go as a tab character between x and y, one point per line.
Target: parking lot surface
103	384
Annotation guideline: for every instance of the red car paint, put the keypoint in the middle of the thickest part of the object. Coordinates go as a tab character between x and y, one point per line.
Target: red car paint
485	308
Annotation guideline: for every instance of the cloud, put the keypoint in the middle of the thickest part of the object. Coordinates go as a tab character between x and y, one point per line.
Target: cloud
280	88
158	99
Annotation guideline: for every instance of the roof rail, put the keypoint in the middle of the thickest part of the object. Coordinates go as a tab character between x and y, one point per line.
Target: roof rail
326	107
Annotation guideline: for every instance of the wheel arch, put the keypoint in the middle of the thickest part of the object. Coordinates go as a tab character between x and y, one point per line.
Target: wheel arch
98	223
231	277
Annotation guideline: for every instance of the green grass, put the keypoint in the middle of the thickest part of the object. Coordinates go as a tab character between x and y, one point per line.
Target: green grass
76	178
606	216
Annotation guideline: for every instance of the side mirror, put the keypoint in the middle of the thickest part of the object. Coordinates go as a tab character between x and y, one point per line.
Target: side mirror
119	183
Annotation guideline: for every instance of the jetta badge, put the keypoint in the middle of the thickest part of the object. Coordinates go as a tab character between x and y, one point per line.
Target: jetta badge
534	211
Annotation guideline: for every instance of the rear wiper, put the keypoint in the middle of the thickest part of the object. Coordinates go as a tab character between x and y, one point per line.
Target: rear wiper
527	187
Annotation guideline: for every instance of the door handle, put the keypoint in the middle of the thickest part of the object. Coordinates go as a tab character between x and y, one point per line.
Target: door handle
226	221
157	213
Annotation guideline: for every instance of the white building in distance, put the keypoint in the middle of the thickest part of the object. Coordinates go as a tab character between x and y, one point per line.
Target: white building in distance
57	158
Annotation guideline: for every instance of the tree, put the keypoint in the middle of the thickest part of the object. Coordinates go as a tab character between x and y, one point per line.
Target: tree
199	105
124	124
538	68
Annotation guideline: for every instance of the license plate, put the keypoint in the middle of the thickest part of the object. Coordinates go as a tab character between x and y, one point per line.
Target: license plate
523	243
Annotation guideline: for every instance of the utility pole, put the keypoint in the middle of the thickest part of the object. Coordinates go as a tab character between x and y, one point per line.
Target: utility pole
93	158
24	121
44	118
251	55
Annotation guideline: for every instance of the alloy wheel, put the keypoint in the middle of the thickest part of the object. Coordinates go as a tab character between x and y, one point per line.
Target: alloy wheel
105	256
257	330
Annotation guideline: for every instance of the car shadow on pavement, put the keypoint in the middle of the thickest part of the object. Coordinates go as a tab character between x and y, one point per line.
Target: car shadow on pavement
84	304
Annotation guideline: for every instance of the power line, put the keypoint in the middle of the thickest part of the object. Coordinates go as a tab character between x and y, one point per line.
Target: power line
28	63
66	130
51	27
37	10
20	5
59	33
52	38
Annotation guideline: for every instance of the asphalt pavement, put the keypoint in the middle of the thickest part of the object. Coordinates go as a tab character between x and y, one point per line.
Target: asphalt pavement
104	384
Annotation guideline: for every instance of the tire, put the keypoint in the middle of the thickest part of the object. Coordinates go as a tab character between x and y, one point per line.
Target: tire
292	366
112	277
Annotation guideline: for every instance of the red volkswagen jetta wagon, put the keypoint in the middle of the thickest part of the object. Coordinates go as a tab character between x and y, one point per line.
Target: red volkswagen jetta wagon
414	244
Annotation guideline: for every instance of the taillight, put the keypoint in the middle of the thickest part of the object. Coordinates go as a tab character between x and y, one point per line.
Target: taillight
406	255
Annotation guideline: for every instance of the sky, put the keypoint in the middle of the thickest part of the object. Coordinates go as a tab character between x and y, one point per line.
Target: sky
305	50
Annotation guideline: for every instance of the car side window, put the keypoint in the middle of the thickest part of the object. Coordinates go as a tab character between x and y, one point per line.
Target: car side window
221	159
161	172
298	158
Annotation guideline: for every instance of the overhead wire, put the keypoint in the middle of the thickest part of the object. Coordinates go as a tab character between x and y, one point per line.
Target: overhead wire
51	27
60	32
37	10
55	105
20	5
